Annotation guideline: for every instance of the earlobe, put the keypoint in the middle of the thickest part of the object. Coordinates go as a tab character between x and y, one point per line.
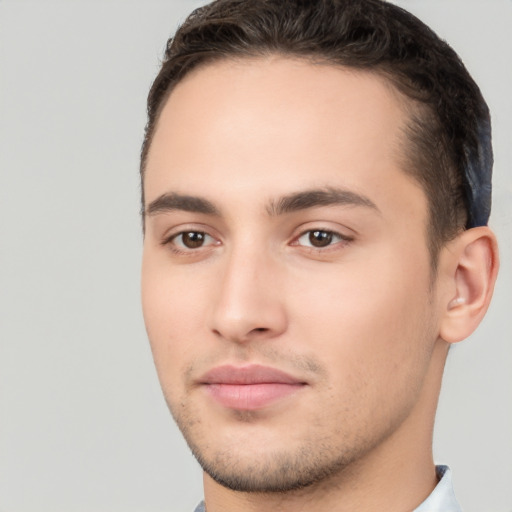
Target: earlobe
473	267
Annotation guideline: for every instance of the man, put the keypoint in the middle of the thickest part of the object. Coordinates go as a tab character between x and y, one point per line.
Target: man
316	189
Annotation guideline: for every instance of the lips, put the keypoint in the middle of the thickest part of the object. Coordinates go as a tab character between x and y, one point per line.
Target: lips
249	387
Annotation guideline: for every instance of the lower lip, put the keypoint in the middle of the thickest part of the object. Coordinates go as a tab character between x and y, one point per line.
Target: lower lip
249	397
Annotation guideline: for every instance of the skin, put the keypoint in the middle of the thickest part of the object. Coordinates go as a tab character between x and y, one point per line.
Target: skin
361	322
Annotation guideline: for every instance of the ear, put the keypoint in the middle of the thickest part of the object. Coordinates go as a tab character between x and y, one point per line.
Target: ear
470	266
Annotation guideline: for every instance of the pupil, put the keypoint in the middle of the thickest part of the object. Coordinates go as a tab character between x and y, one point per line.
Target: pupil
193	240
320	238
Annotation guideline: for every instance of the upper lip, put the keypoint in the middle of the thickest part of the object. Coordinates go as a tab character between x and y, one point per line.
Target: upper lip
250	374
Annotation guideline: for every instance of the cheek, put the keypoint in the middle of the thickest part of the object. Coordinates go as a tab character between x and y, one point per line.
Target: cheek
370	326
171	307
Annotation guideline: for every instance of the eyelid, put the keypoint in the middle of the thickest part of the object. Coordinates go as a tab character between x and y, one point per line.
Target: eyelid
187	227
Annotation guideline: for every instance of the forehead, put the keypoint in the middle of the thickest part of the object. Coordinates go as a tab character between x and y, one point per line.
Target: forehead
271	125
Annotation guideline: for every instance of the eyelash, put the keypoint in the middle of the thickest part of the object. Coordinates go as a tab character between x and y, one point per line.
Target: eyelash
330	234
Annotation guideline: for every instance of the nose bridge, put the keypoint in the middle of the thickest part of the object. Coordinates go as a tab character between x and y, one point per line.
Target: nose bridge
248	302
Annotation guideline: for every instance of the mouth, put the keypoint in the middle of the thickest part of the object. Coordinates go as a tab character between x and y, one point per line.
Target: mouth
249	388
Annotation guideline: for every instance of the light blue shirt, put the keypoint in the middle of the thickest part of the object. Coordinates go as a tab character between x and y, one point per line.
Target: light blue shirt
442	498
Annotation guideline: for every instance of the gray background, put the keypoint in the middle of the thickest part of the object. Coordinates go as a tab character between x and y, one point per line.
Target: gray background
83	426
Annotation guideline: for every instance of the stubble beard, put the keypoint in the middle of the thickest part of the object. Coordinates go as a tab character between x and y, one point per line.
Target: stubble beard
323	454
277	473
280	471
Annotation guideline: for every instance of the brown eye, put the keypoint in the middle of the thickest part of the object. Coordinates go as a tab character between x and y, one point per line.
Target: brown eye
320	238
191	239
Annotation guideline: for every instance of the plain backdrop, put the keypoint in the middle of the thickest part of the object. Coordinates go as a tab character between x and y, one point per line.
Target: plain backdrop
83	425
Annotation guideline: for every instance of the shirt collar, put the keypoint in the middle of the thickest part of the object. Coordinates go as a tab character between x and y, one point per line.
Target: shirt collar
442	498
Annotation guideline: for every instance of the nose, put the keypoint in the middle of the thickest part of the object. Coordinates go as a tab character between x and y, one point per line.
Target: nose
249	301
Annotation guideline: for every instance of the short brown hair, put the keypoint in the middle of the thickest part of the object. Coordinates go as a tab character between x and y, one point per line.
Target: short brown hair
449	151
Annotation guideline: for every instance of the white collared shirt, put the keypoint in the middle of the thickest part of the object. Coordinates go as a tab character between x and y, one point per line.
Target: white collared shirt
442	498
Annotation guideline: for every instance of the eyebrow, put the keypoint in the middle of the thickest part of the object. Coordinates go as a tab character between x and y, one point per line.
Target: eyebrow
319	197
287	204
174	201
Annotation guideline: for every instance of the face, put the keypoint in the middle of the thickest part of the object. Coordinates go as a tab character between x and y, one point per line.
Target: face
286	278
